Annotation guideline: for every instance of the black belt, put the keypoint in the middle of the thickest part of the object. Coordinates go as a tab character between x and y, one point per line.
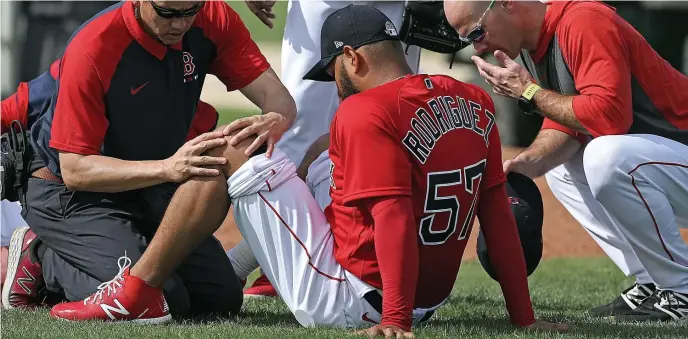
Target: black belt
374	299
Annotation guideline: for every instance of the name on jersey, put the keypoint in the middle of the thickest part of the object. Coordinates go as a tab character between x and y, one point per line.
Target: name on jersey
442	115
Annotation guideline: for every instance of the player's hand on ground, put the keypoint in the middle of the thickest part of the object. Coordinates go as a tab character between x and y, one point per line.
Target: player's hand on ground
386	331
268	128
263	10
544	325
188	160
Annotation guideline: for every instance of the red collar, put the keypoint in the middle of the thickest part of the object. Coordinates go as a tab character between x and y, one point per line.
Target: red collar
144	39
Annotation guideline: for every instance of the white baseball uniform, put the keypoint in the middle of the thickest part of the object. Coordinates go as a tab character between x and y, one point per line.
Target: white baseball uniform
316	102
318	179
291	240
10	220
630	192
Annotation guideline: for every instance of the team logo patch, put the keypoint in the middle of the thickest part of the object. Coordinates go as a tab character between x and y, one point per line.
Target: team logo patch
189	67
390	29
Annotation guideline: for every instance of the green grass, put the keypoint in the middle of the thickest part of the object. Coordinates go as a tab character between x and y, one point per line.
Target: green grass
562	290
227	115
260	32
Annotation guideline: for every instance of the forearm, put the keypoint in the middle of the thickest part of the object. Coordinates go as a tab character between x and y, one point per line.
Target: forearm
396	249
320	145
558	108
550	149
269	94
97	173
506	254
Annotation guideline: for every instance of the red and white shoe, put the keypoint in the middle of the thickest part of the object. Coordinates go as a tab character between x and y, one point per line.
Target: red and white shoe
125	298
261	288
24	286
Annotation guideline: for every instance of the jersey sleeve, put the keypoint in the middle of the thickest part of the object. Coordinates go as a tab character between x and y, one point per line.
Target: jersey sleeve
375	164
79	121
599	61
239	61
15	107
494	173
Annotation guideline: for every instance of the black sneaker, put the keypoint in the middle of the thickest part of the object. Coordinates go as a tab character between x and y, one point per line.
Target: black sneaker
629	300
663	305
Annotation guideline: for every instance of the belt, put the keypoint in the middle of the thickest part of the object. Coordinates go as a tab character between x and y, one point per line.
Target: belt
46	174
374	299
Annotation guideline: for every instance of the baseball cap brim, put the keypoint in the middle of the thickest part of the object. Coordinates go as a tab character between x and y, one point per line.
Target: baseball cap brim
319	71
524	187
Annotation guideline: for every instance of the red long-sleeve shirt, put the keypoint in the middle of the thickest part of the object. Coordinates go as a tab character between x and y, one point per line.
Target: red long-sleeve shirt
432	141
604	54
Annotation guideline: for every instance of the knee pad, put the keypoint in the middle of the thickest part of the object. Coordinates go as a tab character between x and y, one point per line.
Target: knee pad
526	205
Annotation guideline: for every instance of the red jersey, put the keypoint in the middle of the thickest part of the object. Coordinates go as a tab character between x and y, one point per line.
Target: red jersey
429	137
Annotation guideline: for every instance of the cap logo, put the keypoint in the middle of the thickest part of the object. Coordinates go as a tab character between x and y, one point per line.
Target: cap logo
338	44
390	29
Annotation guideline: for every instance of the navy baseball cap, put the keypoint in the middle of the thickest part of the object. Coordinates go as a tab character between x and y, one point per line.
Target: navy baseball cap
355	26
527	207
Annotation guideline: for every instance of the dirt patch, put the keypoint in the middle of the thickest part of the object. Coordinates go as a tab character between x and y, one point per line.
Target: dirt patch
563	236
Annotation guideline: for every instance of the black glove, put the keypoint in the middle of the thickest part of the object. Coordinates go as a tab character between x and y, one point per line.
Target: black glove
15	158
425	25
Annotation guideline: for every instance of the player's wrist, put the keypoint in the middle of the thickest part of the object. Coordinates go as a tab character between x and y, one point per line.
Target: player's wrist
404	324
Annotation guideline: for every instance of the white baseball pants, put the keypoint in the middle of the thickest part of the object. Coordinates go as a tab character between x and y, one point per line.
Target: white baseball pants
291	239
630	192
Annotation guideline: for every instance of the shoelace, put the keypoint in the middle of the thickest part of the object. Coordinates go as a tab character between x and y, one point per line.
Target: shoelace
111	286
665	298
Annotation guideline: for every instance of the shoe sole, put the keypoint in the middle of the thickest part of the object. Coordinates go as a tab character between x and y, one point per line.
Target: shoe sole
151	321
13	256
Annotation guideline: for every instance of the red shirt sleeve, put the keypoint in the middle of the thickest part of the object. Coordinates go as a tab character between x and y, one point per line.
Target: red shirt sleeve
375	163
239	61
599	61
494	171
79	123
396	250
505	252
15	107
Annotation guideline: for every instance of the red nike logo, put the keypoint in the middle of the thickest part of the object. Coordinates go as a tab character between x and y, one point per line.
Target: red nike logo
137	89
365	318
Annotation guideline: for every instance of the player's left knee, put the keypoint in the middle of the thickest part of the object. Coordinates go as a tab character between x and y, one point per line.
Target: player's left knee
605	161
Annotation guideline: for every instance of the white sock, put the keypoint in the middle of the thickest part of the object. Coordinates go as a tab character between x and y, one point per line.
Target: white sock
242	259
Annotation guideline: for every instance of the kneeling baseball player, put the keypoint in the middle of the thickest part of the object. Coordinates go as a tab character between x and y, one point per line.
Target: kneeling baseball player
415	158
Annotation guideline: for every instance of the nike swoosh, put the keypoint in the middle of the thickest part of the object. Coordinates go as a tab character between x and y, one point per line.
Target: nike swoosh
137	89
365	318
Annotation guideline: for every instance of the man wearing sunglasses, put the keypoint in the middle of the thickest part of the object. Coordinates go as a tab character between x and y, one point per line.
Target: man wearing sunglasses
114	145
613	145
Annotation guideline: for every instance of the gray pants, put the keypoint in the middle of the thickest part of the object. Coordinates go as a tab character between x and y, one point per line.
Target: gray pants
85	234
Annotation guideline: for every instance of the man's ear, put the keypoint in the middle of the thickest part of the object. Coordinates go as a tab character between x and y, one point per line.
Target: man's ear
352	59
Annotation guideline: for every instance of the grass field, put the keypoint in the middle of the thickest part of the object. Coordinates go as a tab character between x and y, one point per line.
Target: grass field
561	289
260	32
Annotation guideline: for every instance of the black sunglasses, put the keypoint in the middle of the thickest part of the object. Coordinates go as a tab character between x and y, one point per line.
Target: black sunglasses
478	33
169	13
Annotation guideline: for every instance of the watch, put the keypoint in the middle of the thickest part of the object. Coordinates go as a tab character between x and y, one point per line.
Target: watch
525	101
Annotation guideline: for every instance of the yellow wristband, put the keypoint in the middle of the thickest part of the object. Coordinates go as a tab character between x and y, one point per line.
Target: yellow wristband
530	91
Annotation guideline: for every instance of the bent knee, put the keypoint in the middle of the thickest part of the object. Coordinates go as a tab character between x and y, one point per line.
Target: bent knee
606	161
235	154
